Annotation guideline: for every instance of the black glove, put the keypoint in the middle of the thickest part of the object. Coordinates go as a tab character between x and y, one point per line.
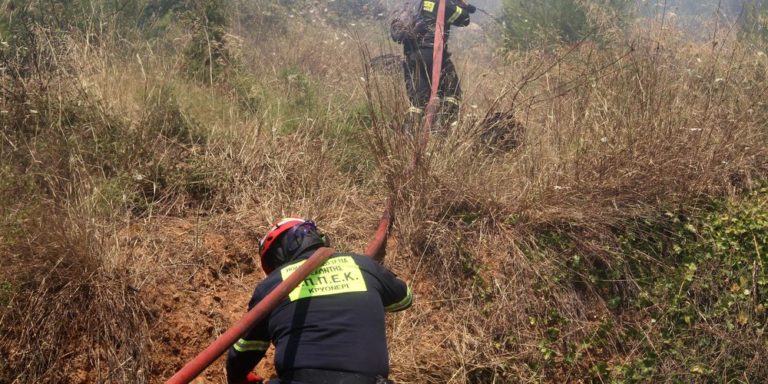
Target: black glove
470	8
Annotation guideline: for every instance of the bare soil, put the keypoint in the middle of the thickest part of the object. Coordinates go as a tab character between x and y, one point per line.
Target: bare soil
211	273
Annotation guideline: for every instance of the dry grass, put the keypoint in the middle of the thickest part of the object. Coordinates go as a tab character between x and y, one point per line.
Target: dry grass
127	171
612	134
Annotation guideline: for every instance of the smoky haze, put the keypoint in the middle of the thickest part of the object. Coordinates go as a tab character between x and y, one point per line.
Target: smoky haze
684	7
729	8
488	5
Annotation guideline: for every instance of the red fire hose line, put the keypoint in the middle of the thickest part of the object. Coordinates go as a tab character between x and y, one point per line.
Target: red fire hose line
378	244
375	248
437	68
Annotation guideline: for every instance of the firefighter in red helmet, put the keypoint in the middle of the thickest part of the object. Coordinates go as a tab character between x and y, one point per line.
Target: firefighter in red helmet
330	328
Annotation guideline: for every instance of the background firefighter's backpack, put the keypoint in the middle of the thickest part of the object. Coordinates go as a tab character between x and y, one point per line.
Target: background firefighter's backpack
405	21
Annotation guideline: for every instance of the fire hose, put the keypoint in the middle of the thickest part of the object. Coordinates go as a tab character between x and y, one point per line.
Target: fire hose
376	248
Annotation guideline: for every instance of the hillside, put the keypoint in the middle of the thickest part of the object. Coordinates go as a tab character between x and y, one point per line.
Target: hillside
599	214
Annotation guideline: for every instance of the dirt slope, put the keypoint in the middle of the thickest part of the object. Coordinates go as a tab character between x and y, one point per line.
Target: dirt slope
201	278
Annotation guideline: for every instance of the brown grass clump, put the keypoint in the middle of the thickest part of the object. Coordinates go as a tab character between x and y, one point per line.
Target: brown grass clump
74	318
73	173
99	154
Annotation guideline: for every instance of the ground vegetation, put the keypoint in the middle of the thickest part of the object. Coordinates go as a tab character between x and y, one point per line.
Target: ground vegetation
144	149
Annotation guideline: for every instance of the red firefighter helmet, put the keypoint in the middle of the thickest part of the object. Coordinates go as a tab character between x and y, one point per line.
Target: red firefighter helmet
282	226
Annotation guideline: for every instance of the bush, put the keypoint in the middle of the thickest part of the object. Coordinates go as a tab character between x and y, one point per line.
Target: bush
71	170
709	300
299	87
754	21
533	24
6	292
67	297
206	55
165	117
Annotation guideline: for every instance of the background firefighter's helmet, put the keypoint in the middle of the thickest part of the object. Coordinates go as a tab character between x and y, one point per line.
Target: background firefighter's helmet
287	239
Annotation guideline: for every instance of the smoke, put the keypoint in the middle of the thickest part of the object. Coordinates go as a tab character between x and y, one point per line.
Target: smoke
693	8
493	6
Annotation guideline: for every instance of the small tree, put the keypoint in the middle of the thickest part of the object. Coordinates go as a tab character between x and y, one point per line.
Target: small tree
529	24
754	21
206	55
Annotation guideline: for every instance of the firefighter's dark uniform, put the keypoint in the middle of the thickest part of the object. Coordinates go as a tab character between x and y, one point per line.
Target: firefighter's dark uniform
330	328
418	59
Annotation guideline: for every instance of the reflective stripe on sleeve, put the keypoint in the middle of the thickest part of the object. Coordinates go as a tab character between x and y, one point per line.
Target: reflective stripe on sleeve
402	304
429	6
416	110
243	345
455	15
452	100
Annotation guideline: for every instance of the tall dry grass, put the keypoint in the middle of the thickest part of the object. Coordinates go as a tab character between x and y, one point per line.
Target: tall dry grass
120	144
613	134
99	142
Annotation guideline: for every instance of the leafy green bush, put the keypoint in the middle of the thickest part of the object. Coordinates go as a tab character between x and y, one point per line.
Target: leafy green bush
700	311
247	90
722	291
686	291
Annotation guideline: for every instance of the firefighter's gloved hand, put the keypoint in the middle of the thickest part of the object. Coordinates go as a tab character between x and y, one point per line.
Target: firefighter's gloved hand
470	8
253	378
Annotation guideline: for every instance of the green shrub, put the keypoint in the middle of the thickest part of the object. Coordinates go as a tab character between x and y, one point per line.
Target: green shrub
164	116
206	57
704	301
754	21
6	292
247	91
299	87
534	24
349	134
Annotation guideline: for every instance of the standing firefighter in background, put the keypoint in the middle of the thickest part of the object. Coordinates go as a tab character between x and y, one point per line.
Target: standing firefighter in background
330	328
414	27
